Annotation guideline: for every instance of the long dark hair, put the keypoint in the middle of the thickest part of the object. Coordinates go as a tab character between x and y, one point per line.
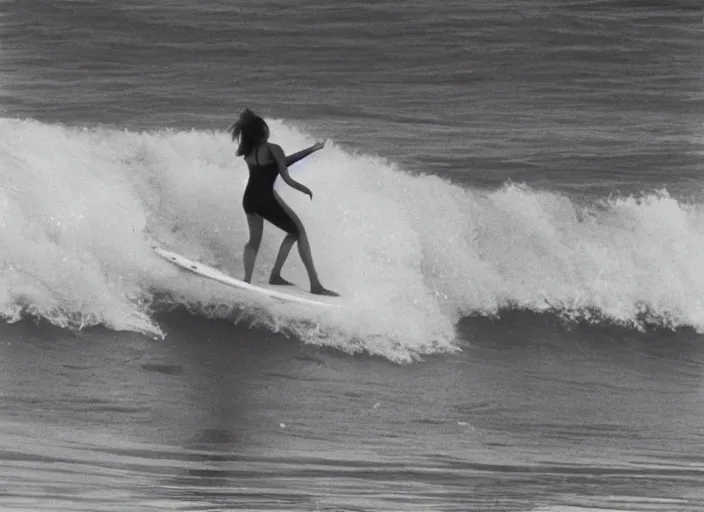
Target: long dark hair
250	130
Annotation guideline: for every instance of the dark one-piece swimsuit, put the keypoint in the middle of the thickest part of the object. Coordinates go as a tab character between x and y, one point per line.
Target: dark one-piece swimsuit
259	196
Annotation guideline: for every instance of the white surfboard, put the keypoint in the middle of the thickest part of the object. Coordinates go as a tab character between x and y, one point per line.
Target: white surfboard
213	273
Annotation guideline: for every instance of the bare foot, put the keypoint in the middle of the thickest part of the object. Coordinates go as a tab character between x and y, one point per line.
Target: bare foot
319	290
279	280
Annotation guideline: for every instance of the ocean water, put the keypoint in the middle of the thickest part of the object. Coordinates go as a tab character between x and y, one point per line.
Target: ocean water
510	202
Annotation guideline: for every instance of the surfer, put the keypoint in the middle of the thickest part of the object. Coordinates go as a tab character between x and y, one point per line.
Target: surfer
266	161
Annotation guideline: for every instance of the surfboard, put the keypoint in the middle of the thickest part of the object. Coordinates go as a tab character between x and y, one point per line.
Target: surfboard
269	291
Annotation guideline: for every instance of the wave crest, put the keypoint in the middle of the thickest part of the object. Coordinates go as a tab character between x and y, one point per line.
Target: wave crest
411	254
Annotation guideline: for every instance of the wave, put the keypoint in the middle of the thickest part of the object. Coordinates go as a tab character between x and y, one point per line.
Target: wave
411	254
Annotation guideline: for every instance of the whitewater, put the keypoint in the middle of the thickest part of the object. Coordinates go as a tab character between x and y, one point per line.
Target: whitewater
412	254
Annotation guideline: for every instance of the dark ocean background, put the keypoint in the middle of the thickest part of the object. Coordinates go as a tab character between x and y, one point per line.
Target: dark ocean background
510	203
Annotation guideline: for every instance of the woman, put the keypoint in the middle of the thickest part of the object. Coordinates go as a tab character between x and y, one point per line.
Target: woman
266	162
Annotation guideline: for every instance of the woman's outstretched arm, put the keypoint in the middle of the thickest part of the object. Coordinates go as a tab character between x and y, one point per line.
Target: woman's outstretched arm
292	159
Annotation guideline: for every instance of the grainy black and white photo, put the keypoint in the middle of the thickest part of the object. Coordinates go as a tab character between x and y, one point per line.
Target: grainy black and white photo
371	256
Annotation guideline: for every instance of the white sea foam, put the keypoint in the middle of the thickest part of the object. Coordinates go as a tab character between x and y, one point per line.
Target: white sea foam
410	254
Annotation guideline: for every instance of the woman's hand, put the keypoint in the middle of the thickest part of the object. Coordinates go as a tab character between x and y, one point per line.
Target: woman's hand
319	145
